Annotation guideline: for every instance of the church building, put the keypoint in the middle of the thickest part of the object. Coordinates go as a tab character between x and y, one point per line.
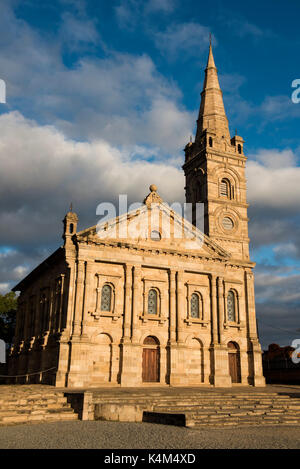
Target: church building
148	298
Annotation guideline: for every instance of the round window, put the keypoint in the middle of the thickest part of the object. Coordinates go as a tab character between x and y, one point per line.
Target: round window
155	235
227	223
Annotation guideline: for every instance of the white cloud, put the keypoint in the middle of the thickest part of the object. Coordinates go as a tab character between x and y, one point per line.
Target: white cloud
109	97
188	39
131	12
78	32
42	172
166	6
4	288
278	108
273	179
277	288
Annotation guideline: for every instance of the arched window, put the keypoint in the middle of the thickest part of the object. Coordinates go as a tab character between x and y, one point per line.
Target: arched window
239	148
195	306
152	302
106	296
210	141
225	188
231	306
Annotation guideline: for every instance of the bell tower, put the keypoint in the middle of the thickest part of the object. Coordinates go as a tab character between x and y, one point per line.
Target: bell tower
215	171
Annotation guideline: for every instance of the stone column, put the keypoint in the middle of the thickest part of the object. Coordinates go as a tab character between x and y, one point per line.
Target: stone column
219	356
221	308
72	270
127	302
137	305
254	352
177	349
129	359
78	371
214	315
65	348
172	306
181	306
250	301
61	301
79	299
87	295
172	344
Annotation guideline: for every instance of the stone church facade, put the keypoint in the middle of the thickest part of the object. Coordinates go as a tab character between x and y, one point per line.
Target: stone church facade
162	304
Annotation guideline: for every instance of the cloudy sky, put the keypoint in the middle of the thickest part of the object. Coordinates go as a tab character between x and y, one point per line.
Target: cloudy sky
102	97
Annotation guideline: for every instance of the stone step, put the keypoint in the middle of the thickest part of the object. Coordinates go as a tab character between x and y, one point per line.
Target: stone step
196	408
241	421
22	399
34	408
39	417
34	404
15	397
179	400
27	406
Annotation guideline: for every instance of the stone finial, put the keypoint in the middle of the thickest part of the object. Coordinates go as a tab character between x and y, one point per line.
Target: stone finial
153	188
153	197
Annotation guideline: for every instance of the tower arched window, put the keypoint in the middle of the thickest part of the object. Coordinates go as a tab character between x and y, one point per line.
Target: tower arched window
239	148
210	141
152	301
106	298
195	306
225	188
231	306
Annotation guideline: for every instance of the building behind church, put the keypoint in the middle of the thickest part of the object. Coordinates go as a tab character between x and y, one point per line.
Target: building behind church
156	307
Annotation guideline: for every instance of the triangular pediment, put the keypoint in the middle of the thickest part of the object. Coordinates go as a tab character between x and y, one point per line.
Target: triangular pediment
154	225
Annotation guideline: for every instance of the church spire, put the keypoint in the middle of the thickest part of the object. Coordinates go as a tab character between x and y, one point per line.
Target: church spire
212	114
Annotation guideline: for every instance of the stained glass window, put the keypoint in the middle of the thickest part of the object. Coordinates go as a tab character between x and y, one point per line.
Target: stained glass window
195	306
152	302
231	306
106	298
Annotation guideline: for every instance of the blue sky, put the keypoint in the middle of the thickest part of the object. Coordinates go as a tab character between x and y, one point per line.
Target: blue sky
102	97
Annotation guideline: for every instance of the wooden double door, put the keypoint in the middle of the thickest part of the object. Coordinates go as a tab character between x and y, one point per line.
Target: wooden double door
151	365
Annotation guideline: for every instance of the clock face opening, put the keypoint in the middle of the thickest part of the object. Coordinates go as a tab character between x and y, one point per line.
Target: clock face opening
227	223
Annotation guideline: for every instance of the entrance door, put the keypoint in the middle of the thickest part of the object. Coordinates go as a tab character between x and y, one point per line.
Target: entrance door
150	372
234	363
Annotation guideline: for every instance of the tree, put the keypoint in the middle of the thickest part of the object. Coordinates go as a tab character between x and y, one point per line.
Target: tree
8	309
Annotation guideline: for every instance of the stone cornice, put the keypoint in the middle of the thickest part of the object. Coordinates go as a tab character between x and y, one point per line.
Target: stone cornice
163	250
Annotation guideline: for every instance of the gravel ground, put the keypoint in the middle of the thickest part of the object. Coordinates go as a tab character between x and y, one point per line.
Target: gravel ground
119	435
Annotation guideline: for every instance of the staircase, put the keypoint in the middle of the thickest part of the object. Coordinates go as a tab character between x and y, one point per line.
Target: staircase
234	410
28	404
200	409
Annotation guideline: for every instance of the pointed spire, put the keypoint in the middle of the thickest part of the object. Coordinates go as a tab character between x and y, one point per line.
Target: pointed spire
211	60
212	112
